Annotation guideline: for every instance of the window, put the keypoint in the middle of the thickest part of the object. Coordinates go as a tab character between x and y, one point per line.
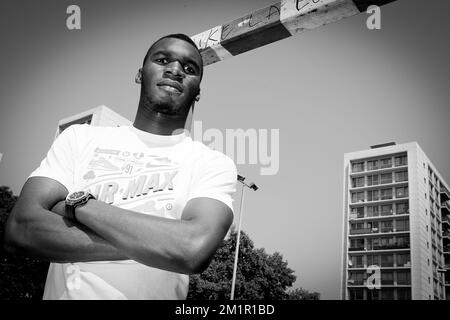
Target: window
356	278
387	226
357	226
373	294
358	167
402	225
386	163
372	225
403	277
372	180
357	197
358	182
386	209
387	277
387	260
403	260
401	161
403	294
359	212
386	178
401	176
387	294
372	165
386	242
373	244
403	242
357	244
372	211
402	208
357	262
401	192
372	195
356	294
386	194
373	260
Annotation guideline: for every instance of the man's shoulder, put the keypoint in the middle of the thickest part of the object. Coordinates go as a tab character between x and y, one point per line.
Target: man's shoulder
89	131
209	155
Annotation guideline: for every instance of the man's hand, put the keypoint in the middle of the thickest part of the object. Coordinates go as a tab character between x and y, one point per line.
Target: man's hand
60	208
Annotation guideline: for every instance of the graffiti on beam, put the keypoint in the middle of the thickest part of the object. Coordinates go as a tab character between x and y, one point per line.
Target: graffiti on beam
208	38
255	20
294	8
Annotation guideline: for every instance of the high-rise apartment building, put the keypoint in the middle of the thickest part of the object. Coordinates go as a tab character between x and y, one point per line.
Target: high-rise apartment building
396	229
99	116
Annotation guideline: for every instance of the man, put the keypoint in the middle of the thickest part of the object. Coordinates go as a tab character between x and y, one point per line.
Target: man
162	203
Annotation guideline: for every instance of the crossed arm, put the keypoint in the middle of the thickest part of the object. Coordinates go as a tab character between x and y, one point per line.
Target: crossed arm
37	226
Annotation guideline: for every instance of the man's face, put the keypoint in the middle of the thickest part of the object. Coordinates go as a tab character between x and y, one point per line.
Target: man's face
171	76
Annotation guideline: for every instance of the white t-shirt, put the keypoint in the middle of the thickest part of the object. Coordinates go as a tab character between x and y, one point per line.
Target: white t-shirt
138	171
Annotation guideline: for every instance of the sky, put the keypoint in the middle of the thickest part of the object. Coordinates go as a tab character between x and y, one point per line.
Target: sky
332	90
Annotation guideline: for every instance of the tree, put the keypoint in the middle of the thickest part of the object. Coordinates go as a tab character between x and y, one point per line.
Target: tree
259	275
20	277
301	294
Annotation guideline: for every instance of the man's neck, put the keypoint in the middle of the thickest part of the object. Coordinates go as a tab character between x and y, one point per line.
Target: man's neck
158	123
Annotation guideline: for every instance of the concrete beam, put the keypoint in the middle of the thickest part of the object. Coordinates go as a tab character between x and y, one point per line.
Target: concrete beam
275	22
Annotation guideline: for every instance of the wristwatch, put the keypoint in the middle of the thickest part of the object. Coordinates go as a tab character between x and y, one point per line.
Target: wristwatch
76	199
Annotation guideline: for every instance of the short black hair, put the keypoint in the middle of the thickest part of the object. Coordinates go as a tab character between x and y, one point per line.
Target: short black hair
180	36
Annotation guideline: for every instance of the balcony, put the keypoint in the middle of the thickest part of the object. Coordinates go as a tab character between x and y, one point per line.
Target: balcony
446	234
361	231
445	193
446	220
391	246
445	207
356	249
387	213
356	266
354	282
368	231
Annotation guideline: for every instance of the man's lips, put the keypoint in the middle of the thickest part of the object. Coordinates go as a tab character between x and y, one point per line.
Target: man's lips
170	86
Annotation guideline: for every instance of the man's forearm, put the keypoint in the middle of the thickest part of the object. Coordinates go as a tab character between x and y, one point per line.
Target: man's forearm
155	241
54	238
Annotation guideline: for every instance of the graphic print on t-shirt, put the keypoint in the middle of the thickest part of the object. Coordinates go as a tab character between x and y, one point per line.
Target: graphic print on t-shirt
143	182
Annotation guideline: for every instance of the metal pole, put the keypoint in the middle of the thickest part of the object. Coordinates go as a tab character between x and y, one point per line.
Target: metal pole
233	283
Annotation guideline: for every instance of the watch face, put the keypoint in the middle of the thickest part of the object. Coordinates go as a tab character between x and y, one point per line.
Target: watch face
76	195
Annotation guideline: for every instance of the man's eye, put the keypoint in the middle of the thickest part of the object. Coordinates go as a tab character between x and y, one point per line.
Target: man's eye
162	60
189	69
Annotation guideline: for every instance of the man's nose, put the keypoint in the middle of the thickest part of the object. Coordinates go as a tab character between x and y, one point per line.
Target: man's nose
175	69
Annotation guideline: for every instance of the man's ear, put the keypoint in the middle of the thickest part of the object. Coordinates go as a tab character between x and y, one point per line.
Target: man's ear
197	98
138	78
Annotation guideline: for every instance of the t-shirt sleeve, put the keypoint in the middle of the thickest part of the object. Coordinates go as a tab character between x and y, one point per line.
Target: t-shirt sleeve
215	178
59	164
